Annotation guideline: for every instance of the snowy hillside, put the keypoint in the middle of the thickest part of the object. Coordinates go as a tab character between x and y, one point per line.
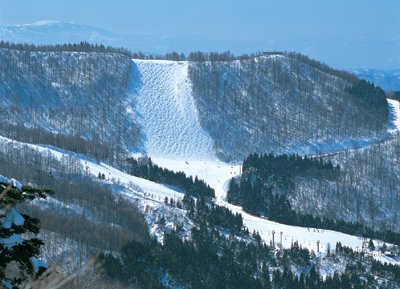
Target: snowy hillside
106	105
147	195
162	93
77	96
284	103
151	198
157	108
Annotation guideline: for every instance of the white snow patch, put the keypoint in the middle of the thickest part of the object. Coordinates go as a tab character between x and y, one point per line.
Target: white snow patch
167	111
215	173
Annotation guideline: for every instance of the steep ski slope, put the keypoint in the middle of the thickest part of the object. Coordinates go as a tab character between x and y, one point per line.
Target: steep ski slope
167	112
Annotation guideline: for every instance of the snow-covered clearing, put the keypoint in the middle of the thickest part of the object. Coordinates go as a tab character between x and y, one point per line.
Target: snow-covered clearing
167	112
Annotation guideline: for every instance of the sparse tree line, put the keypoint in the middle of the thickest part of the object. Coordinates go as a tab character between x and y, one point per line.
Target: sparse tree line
82	46
92	148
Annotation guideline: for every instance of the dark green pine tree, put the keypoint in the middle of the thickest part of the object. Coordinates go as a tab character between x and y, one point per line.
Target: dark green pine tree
15	249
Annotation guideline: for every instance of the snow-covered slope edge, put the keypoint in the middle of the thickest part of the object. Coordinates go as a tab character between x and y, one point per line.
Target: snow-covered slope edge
148	196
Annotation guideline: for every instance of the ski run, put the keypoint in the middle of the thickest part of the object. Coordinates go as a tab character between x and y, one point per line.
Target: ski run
174	139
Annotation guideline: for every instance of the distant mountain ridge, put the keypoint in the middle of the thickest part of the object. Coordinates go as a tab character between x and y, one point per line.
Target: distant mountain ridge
48	32
389	80
358	52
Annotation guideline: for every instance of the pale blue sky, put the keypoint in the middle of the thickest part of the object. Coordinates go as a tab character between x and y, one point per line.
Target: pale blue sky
343	33
241	19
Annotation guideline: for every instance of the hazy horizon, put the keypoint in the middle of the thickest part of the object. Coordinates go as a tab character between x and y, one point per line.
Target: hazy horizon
341	33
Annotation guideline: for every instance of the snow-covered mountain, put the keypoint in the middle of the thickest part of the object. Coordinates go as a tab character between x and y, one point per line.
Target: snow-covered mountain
389	80
55	32
348	54
190	109
85	113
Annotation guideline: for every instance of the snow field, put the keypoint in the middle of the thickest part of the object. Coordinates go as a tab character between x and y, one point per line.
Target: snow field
167	112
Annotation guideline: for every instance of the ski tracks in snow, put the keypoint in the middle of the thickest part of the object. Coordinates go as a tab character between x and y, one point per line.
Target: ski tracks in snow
167	112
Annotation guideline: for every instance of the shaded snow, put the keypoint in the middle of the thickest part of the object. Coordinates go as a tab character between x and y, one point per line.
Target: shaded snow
13	217
12	182
14	239
37	264
167	111
394	115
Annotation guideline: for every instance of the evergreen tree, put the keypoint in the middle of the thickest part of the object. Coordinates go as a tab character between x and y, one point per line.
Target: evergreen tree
15	249
371	245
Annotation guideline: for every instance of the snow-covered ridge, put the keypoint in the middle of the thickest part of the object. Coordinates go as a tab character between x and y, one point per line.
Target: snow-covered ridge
167	111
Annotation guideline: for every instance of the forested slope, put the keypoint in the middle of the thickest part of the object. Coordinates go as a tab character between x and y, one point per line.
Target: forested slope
282	102
71	96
